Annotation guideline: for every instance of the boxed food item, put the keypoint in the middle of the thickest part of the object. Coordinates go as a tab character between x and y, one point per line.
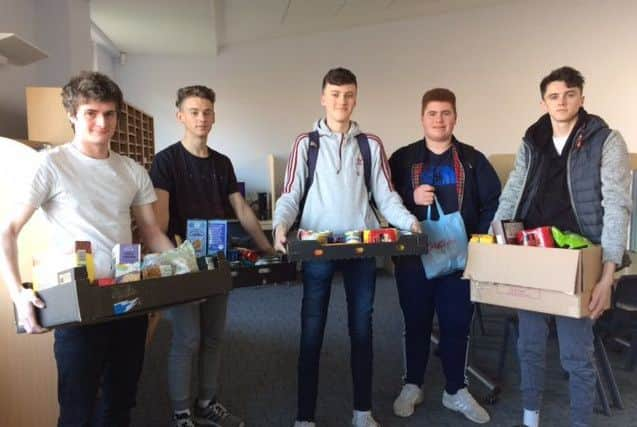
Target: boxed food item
506	231
47	265
127	262
217	236
197	234
546	280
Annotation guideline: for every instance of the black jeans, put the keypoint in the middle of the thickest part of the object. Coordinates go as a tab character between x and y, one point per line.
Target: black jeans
109	355
421	298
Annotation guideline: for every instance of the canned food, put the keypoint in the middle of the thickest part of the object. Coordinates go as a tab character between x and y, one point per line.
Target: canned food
353	236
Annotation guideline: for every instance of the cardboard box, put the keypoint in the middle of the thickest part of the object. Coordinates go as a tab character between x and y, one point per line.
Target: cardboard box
546	280
197	233
127	262
279	272
217	236
407	244
74	301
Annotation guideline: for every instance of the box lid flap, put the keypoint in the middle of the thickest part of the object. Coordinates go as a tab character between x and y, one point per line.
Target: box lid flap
541	268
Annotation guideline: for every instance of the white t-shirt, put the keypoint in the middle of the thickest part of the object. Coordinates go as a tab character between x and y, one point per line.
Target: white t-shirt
559	142
88	199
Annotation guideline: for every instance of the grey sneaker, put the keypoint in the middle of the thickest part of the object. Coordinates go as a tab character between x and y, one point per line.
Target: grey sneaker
464	403
216	415
182	420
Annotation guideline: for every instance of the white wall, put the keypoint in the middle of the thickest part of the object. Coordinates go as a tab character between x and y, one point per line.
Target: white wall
493	59
103	61
59	27
16	16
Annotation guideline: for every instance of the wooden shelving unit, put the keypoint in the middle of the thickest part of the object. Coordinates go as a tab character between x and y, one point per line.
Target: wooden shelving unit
135	136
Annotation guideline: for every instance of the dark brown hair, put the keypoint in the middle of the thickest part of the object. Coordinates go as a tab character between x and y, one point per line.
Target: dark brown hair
90	86
339	77
438	94
195	91
569	75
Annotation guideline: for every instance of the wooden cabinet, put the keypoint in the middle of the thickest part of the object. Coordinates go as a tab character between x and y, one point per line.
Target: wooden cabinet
47	122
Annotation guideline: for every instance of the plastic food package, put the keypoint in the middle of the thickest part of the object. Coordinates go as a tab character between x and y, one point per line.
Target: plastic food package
566	239
182	258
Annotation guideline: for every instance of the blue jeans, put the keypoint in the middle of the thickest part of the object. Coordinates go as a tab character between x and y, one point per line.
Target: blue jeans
577	350
359	277
108	354
447	297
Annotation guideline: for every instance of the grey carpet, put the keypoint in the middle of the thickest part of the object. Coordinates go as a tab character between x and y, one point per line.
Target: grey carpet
258	381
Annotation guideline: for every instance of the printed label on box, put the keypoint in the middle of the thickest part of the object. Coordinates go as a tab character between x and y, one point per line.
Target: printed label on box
124	307
197	233
217	236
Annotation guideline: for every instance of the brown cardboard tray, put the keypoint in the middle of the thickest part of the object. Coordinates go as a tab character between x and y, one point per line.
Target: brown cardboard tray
307	250
78	302
280	272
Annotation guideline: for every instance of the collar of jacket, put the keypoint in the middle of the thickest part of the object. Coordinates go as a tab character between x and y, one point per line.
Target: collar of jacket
540	133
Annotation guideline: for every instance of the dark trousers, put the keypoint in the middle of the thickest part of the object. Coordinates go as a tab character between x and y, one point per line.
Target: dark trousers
420	298
359	277
109	355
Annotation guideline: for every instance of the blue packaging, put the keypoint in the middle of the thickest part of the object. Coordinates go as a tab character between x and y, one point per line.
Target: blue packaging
217	236
197	233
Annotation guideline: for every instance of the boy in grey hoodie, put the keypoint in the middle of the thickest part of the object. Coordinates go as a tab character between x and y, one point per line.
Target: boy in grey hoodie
338	201
572	172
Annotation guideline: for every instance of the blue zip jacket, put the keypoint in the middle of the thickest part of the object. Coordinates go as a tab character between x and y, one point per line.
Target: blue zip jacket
477	184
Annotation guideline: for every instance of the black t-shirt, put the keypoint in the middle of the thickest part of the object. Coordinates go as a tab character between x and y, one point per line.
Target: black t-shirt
552	202
199	187
439	172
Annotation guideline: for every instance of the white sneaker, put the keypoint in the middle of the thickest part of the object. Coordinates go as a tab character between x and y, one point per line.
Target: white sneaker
410	396
364	419
464	403
304	424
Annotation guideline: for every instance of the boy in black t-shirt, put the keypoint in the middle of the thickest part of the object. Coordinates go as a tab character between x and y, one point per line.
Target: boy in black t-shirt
194	181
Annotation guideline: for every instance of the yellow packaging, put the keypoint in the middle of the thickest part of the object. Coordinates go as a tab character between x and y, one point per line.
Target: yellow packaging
482	238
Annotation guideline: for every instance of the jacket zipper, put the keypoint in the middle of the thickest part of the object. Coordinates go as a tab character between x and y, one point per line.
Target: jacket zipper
340	154
568	183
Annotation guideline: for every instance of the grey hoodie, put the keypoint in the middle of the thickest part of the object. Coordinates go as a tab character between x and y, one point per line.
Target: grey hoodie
337	200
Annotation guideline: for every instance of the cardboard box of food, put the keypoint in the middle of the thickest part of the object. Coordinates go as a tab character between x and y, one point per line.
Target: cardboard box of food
407	244
546	280
74	301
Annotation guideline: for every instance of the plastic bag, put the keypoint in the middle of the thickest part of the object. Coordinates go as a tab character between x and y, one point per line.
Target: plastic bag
448	243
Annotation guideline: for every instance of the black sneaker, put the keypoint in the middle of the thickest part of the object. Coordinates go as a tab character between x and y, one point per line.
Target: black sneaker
216	415
182	420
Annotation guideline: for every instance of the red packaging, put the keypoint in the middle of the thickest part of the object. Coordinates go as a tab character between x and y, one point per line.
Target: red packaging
541	237
106	281
380	235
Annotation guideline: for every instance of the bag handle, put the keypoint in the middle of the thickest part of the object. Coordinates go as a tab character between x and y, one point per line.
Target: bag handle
438	209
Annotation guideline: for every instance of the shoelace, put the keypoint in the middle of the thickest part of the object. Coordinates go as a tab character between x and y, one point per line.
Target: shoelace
466	402
219	410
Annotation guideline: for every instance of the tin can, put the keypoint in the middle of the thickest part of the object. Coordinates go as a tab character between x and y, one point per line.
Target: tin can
353	236
323	237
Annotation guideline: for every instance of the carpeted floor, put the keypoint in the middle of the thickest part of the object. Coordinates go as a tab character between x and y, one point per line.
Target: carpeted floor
258	381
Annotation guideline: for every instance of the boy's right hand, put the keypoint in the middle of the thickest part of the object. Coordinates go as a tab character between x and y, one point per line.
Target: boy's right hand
25	302
280	239
424	195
